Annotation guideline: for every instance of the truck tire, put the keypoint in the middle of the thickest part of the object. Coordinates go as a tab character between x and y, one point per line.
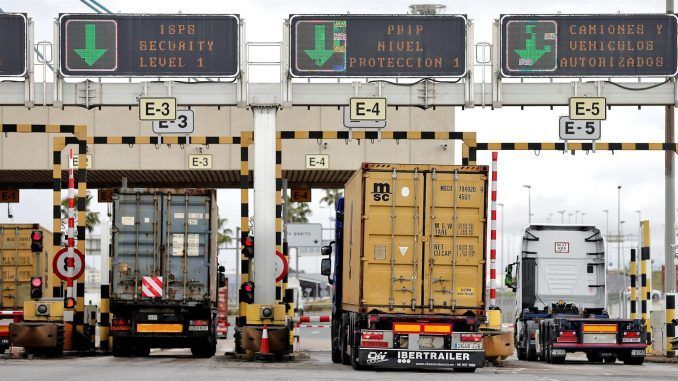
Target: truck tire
120	348
3	348
343	340
521	353
205	349
594	357
610	359
554	359
633	360
355	343
531	353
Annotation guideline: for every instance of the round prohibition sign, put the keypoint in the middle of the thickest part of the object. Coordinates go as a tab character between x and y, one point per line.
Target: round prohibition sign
60	264
281	266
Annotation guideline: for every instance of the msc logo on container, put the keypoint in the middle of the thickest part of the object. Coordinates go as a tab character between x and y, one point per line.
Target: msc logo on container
381	192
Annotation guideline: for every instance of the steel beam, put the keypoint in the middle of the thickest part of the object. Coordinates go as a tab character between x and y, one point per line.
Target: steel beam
264	204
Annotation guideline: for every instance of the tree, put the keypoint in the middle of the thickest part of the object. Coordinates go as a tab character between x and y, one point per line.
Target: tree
225	233
332	196
92	219
296	211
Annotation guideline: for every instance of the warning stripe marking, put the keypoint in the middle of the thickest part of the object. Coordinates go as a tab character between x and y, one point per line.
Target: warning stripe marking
151	286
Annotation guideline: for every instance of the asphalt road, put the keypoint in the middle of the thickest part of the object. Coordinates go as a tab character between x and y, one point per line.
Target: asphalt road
177	364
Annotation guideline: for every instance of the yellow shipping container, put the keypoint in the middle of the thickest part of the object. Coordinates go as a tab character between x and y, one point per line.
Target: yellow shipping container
414	239
18	264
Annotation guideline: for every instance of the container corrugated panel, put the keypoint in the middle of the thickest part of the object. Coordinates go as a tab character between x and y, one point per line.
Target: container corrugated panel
165	233
414	239
18	264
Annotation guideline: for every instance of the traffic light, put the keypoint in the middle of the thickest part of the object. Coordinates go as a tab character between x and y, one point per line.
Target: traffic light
69	302
247	292
36	241
248	247
36	287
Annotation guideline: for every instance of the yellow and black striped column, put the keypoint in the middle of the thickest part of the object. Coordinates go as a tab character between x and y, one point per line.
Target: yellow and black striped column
633	297
81	181
670	324
59	143
279	289
245	141
644	286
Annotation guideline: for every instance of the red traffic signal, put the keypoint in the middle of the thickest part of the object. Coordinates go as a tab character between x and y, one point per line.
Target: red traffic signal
69	303
36	287
247	292
248	247
36	241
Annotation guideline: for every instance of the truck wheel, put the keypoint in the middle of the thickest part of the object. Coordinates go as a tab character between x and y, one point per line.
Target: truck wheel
343	340
610	359
594	357
634	361
547	349
521	353
3	348
531	353
336	352
355	353
204	349
120	348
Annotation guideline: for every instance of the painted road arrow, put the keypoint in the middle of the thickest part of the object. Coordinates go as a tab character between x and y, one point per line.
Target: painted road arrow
319	54
531	54
90	53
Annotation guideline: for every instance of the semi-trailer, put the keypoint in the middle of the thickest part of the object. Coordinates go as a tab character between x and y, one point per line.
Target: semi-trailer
561	299
409	267
164	274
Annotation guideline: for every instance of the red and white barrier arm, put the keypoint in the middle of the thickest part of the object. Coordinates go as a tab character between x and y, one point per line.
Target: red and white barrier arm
312	319
493	234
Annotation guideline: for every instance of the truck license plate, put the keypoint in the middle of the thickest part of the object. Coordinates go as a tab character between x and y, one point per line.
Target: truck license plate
198	328
468	345
637	352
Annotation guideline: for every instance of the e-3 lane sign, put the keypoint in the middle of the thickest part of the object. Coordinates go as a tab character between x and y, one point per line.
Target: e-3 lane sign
588	45
149	45
377	46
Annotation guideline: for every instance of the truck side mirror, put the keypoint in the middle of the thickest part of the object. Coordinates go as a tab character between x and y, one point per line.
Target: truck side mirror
326	267
508	279
222	269
326	250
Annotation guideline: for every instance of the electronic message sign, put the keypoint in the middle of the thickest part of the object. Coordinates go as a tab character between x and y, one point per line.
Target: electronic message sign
377	46
12	44
588	45
149	45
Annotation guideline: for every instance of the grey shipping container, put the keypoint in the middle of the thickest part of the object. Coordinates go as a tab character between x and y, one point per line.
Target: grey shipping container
168	234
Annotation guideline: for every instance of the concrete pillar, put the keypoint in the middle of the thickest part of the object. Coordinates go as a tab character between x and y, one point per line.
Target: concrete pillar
264	204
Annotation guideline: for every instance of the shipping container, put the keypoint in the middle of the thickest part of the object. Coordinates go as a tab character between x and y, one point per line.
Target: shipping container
164	270
18	264
411	257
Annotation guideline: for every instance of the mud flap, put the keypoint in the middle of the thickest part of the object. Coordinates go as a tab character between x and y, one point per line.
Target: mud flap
434	359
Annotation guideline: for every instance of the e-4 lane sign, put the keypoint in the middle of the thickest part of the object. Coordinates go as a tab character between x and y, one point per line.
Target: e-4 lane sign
149	45
588	45
377	45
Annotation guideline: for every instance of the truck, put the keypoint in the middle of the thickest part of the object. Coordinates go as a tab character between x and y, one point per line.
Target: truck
164	274
409	267
561	295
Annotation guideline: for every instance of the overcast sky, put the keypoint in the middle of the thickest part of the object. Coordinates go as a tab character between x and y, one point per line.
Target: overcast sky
559	181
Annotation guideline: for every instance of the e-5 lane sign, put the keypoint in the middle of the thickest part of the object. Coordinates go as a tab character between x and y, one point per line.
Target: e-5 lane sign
588	45
12	44
149	45
377	46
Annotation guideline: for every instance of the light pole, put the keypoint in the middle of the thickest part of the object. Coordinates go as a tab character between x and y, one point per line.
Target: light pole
607	231
562	216
529	203
582	217
549	219
619	238
569	218
576	217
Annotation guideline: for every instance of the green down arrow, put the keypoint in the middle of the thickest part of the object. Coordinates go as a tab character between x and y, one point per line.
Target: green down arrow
319	54
90	53
531	53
